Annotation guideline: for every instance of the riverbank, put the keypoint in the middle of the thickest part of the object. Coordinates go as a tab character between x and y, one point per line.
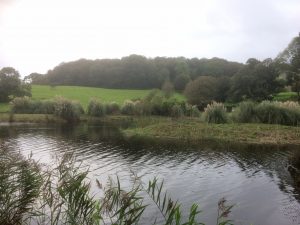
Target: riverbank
187	130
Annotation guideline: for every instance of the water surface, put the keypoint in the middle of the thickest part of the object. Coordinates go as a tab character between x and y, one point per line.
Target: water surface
255	180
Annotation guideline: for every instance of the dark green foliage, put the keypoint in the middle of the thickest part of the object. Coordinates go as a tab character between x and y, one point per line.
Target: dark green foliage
96	108
135	72
215	113
201	91
288	62
67	109
256	81
181	81
11	86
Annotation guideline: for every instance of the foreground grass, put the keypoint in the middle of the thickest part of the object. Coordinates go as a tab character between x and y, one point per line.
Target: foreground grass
193	130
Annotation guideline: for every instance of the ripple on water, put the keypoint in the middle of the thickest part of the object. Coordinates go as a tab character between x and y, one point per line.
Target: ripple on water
256	181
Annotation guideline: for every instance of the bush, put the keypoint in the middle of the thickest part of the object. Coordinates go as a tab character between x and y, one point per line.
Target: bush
176	111
142	108
245	113
215	113
191	110
278	113
22	105
112	108
128	108
195	111
67	109
284	113
201	91
45	107
96	108
29	106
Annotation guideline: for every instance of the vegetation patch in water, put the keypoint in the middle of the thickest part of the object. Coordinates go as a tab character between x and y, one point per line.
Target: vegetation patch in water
195	130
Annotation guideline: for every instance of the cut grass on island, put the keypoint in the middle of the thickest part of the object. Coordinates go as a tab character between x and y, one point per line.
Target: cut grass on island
193	130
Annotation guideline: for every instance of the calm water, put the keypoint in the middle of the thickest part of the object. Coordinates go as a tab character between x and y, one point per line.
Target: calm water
256	180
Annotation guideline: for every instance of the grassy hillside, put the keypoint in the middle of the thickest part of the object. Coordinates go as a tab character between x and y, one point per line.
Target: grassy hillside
84	94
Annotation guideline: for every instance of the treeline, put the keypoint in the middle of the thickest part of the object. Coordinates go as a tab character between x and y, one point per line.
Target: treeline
135	72
201	80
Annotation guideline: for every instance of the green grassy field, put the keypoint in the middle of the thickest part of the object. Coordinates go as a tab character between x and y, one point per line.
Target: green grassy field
4	107
286	96
84	94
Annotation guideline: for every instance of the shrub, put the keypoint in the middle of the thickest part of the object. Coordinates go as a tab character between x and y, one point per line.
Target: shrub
245	113
96	108
151	95
195	112
128	108
22	105
156	104
215	113
201	91
191	110
278	113
284	113
142	108
176	111
27	105
45	107
67	109
112	108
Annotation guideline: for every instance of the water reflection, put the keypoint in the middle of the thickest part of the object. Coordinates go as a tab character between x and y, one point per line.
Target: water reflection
255	179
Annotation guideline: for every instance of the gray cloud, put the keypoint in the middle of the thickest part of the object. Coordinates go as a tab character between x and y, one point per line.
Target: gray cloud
36	40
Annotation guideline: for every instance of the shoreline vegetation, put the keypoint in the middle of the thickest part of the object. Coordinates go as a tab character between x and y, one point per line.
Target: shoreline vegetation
33	193
186	130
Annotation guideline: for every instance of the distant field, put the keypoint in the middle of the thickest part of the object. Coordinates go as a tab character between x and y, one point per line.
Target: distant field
285	96
4	107
84	94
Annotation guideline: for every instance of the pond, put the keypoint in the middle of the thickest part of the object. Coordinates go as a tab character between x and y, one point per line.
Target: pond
255	180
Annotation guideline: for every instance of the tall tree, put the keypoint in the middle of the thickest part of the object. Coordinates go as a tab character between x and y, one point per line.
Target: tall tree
289	62
11	84
201	91
257	81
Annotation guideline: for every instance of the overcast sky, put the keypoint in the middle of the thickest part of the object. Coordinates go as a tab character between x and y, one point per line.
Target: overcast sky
36	35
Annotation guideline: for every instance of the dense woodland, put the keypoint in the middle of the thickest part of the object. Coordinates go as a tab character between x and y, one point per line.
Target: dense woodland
201	80
136	72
